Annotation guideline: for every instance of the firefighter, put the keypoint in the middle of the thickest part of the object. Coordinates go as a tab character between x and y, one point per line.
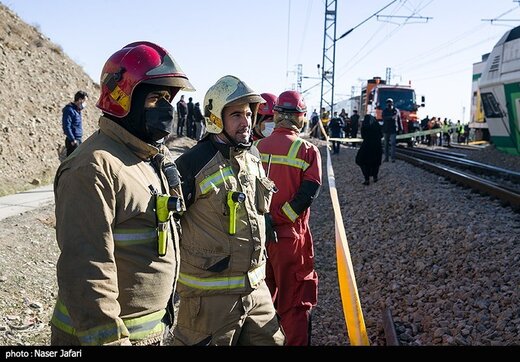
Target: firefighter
117	265
295	166
264	124
224	299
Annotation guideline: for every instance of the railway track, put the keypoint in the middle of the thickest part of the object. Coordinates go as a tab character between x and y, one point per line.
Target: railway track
486	179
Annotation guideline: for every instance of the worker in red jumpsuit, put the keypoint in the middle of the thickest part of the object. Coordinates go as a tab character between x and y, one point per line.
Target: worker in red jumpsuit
264	123
295	166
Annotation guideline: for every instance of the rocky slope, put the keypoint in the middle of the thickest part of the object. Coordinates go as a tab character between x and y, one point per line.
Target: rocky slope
37	79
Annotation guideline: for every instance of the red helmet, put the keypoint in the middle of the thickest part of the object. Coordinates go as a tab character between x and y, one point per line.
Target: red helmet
139	62
266	108
290	102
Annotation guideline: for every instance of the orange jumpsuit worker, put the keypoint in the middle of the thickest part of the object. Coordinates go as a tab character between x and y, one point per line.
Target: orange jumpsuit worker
295	166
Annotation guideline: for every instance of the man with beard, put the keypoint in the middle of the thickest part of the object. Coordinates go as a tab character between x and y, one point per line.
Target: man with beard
224	299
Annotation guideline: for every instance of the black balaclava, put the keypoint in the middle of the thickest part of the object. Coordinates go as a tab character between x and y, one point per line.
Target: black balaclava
148	124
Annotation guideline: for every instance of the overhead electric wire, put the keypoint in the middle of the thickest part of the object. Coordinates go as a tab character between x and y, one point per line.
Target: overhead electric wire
305	26
366	44
288	42
387	36
444	56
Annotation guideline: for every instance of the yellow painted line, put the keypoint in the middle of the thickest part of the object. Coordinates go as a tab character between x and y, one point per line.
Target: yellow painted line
347	281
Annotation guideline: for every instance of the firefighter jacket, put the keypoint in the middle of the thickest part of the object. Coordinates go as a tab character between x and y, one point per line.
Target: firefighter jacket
213	259
295	161
113	284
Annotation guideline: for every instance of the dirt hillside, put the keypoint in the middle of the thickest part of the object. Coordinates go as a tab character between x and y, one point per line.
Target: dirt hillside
37	79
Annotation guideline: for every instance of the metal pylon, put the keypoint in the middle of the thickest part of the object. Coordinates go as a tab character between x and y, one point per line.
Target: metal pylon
329	57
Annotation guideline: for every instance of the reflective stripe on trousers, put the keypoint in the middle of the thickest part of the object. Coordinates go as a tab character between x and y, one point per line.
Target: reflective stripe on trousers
137	328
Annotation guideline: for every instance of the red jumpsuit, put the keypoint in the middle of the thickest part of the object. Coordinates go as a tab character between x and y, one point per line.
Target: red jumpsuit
291	277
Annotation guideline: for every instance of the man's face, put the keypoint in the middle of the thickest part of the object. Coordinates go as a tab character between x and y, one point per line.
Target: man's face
237	122
389	104
153	97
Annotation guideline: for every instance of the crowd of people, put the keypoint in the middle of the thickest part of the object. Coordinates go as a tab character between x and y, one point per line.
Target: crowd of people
224	227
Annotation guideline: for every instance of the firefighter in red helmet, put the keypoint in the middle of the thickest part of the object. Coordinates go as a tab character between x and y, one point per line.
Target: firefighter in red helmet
264	123
295	166
119	250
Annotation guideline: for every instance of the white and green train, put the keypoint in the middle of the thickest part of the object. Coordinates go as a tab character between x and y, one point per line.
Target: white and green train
500	92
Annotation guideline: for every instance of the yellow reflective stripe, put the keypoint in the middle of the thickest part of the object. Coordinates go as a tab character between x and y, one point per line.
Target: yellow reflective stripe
284	160
142	327
212	283
256	275
138	328
61	318
289	212
295	147
290	159
216	179
102	334
127	237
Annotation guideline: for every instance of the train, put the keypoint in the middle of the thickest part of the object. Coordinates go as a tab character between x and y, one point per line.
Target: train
499	87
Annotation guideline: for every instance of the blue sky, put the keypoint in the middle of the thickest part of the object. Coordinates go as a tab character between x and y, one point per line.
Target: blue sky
263	41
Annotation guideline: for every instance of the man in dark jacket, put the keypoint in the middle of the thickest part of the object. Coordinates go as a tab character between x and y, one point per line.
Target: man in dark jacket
190	120
354	124
335	126
391	126
72	122
182	112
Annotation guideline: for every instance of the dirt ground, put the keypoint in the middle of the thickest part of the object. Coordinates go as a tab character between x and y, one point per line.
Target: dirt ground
28	286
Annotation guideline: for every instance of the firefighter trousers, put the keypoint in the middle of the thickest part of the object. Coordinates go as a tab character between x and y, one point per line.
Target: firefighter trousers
228	319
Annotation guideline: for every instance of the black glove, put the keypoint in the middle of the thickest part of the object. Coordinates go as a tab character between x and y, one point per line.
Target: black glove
270	232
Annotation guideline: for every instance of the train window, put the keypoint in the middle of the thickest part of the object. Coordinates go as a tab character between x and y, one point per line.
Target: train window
491	106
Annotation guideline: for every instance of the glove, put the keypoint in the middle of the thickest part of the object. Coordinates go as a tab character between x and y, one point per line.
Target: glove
270	232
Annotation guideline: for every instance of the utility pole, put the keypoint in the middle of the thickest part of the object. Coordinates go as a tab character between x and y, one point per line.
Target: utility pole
388	75
329	48
299	78
329	51
329	56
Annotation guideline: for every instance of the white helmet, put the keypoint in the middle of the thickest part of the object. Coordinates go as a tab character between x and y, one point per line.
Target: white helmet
225	91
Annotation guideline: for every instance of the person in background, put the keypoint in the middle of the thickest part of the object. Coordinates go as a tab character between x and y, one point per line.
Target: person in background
325	117
198	121
314	124
190	119
466	133
335	127
354	126
368	157
119	254
72	122
392	125
264	124
295	166
224	299
460	131
182	112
